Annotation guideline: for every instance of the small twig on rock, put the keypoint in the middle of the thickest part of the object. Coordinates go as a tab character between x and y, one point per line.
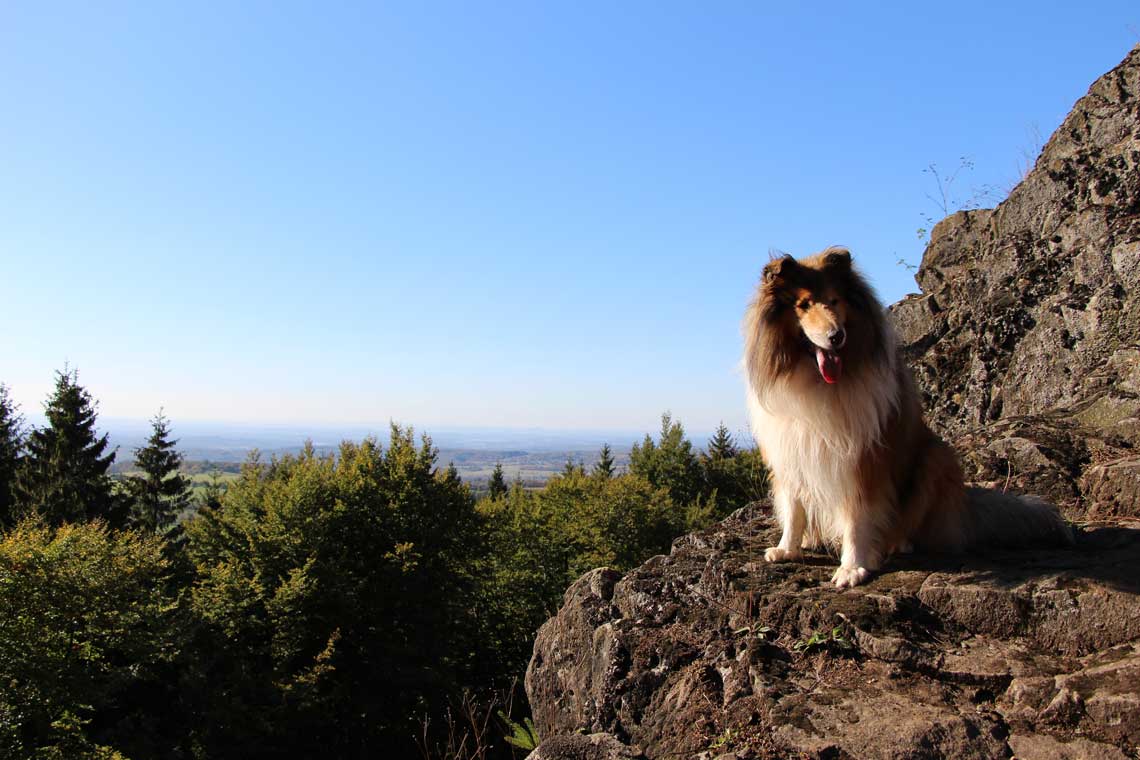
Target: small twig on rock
1008	475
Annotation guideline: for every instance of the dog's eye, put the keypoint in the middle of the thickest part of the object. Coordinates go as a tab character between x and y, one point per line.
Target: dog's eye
802	305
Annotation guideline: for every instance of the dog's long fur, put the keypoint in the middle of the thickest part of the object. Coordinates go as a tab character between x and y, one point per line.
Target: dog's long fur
854	466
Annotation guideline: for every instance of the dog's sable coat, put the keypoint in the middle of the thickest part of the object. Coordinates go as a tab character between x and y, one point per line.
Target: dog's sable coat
839	422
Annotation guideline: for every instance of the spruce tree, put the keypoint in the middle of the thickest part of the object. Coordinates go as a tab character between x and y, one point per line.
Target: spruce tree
161	492
604	467
211	495
722	445
11	446
64	473
497	485
735	476
451	474
670	463
718	465
570	469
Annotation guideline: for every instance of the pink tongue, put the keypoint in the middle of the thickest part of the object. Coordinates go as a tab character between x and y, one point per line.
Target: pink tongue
830	365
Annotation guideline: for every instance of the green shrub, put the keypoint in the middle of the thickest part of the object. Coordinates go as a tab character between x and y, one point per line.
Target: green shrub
343	589
86	629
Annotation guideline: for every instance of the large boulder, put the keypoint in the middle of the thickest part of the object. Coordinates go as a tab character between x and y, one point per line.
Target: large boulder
710	651
1025	342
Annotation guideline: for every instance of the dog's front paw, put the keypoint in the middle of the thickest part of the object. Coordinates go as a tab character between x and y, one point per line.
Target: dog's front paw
849	577
776	554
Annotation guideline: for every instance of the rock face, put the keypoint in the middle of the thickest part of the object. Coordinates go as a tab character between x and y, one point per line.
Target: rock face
1026	344
1025	340
710	650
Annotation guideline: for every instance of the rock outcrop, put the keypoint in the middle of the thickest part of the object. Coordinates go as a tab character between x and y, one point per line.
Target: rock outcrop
1025	340
710	650
1026	344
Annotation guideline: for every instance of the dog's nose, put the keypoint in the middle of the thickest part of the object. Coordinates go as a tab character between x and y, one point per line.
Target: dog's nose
838	338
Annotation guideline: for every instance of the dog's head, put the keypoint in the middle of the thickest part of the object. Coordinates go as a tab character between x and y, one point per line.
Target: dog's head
814	313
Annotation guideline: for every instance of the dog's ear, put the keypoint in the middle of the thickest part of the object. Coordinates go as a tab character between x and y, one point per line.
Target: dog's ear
779	268
837	257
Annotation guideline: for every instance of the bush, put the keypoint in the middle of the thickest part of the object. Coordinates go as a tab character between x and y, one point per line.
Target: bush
87	630
344	590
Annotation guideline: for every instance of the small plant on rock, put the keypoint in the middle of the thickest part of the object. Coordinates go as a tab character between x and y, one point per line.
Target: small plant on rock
726	738
519	735
824	640
761	632
946	200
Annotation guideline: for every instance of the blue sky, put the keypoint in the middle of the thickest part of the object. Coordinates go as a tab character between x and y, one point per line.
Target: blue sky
500	214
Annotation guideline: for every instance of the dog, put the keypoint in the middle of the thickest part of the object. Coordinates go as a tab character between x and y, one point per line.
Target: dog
834	409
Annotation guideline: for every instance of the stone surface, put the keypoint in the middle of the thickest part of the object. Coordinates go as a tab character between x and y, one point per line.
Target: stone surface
1044	747
707	650
1026	345
583	747
1025	340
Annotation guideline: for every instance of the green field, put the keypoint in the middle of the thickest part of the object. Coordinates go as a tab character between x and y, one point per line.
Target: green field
198	480
474	466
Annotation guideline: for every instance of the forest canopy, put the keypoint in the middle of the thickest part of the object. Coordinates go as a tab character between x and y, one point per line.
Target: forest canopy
353	604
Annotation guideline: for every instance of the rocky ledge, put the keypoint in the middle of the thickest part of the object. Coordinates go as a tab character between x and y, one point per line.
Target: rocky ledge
1025	342
709	651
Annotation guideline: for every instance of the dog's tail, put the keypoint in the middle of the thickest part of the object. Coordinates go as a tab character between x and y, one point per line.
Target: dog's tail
997	519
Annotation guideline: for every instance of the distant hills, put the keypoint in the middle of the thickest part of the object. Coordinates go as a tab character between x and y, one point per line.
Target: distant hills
533	454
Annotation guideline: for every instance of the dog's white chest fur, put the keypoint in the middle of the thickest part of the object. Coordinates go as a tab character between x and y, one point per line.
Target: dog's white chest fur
813	435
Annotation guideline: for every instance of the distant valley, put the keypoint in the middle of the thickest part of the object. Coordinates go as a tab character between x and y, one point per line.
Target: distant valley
532	455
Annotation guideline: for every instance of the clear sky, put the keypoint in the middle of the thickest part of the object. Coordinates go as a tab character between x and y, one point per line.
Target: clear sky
531	214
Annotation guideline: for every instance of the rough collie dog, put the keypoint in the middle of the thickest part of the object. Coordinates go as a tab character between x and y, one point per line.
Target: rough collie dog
835	412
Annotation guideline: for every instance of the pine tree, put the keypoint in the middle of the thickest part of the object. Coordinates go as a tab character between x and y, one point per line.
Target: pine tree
211	494
732	476
64	474
570	469
161	492
11	446
604	467
722	445
497	485
451	475
670	463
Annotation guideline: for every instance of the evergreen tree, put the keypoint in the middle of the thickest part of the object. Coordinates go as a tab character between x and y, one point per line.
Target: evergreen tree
64	474
604	467
11	446
670	463
722	445
451	475
497	486
732	477
211	494
160	493
570	469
